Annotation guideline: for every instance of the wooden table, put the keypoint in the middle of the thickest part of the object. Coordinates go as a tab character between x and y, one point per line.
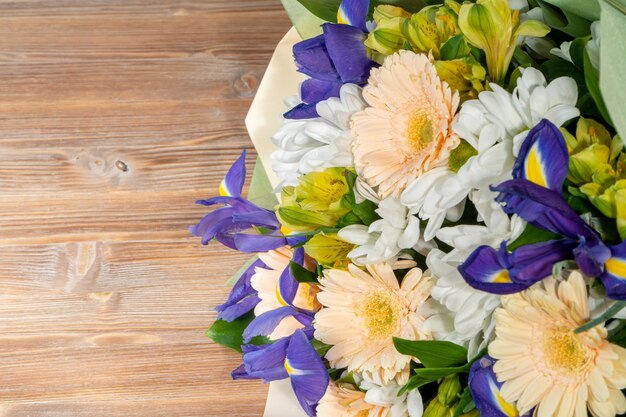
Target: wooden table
115	116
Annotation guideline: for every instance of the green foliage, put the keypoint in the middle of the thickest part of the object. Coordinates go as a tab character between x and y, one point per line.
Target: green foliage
229	334
261	192
432	353
301	274
531	234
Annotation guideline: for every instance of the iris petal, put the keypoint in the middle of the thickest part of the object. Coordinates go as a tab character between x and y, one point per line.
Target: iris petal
543	157
353	13
309	377
614	276
541	207
348	52
485	390
485	271
232	184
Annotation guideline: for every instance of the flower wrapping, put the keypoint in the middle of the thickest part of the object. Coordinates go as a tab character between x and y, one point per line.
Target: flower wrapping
437	214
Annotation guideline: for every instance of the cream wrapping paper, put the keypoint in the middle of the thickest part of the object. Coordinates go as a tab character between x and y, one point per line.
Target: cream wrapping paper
281	80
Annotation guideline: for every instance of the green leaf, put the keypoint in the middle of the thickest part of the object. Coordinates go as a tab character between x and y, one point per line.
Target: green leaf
414	383
307	24
366	211
523	59
229	334
436	373
586	9
320	347
464	401
432	353
565	21
593	85
324	9
608	314
261	192
613	58
412	6
301	274
237	275
454	48
531	234
577	51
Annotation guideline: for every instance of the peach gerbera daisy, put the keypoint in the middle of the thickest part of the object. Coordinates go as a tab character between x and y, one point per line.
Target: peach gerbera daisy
265	281
544	364
406	131
341	401
363	311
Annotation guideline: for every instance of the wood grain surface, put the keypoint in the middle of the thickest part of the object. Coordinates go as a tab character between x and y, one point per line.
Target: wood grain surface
115	116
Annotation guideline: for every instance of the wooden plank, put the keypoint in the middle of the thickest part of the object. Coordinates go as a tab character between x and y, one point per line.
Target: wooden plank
115	117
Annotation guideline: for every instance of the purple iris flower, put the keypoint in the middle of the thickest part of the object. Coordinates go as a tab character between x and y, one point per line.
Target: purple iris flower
243	298
233	225
265	324
336	57
485	390
535	194
290	357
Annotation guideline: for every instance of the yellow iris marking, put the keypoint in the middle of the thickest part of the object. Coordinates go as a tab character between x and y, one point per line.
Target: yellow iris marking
279	296
288	367
223	191
504	406
616	266
534	170
285	230
501	277
341	19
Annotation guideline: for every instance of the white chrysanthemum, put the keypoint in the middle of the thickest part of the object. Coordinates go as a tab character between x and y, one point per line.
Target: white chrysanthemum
592	47
543	364
362	312
494	125
265	282
466	314
385	238
315	144
342	400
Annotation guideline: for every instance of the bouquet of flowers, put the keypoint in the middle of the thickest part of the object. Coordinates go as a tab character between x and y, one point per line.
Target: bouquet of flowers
442	232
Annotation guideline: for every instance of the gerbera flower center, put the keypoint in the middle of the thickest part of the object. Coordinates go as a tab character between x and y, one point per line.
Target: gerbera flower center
381	314
419	130
565	352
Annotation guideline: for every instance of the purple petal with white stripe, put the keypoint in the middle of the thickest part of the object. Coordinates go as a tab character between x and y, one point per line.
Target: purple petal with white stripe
309	377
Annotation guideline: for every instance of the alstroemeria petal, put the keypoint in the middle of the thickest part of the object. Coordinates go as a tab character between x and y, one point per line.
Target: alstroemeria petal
543	157
232	184
485	271
348	52
309	377
541	207
614	276
353	13
485	390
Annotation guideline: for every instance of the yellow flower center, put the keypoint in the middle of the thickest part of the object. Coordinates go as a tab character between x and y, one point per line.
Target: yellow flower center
381	313
565	351
419	130
363	413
